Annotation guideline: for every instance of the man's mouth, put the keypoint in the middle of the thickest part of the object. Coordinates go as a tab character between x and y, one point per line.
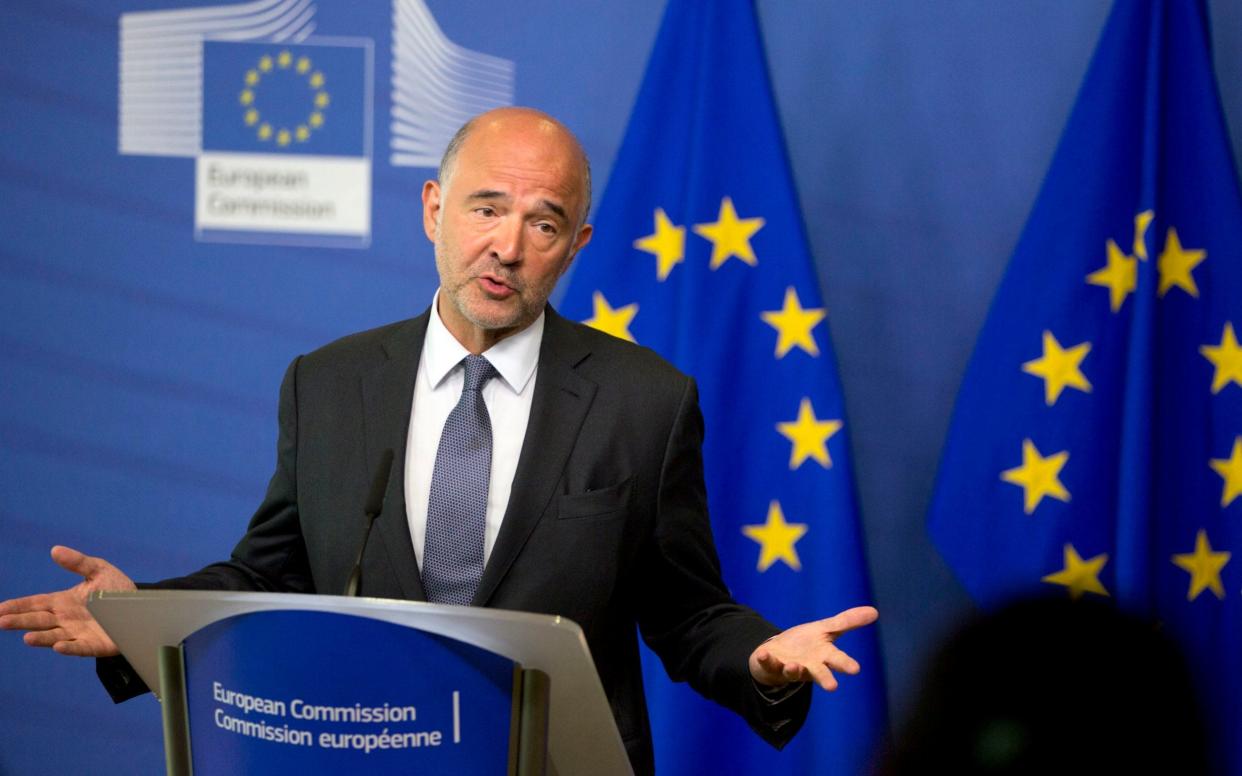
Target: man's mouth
496	287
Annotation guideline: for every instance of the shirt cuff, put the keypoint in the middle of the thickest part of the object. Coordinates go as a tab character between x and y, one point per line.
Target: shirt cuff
774	695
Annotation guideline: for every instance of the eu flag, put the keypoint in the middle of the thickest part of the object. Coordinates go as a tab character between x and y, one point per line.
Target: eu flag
1096	448
701	255
287	98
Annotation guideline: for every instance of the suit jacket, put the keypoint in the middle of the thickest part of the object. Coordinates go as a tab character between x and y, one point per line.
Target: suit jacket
606	524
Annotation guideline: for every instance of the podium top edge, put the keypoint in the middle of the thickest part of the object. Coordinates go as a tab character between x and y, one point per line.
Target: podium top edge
333	603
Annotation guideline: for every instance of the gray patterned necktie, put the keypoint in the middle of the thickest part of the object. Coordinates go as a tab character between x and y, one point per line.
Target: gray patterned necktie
457	505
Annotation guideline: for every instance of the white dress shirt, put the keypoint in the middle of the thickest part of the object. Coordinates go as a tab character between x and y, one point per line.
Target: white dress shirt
437	389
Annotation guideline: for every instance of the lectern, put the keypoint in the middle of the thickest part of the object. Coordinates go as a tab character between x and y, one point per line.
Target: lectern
288	683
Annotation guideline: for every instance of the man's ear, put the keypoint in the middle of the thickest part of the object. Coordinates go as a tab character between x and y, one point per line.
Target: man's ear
431	208
584	237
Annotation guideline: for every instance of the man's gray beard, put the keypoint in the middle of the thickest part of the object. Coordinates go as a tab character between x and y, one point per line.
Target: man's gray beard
520	319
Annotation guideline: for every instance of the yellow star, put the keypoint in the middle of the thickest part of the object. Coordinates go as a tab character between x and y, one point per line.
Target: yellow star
1080	576
809	436
1141	222
668	244
615	322
1231	470
1119	276
1175	265
1204	567
776	539
1226	357
1038	476
730	235
794	324
1059	368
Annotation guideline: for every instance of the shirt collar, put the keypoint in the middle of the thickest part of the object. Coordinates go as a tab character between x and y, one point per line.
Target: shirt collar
514	357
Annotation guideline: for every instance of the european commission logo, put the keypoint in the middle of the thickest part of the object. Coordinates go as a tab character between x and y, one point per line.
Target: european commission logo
280	121
286	142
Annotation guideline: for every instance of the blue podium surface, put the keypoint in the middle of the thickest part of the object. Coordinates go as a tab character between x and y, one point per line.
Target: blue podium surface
345	694
370	654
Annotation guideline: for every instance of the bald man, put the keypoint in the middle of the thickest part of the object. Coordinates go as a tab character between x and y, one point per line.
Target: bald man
595	506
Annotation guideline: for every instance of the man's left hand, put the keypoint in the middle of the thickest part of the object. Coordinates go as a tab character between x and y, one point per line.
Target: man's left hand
806	653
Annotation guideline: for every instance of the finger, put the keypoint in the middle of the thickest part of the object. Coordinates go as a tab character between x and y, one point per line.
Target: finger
44	638
30	603
81	648
840	661
771	662
30	621
792	672
850	619
771	669
821	675
71	560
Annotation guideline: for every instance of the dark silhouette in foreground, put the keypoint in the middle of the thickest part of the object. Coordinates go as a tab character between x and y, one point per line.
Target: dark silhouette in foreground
1051	685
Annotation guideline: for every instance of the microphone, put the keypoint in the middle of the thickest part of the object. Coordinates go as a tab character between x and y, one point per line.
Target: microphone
374	505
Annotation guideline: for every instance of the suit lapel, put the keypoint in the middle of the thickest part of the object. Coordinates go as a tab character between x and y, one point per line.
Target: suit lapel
388	396
557	411
562	398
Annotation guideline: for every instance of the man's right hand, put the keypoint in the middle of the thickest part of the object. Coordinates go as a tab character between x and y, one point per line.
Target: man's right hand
60	620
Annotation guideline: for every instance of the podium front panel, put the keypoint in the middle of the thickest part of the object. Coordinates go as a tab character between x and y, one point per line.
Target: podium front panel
320	692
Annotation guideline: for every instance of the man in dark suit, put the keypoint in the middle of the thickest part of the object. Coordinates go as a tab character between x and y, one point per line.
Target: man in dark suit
592	505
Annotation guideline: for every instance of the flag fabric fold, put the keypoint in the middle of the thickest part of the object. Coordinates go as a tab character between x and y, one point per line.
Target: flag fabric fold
1096	446
701	255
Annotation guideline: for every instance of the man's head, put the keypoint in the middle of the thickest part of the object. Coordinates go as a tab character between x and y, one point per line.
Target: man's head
507	217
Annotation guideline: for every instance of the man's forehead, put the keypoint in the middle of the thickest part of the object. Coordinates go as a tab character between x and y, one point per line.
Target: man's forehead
522	147
517	129
509	164
523	151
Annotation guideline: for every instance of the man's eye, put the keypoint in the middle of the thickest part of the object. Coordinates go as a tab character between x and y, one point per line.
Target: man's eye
485	211
546	228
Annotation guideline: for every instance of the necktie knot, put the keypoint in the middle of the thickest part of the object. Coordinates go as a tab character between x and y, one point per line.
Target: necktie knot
478	371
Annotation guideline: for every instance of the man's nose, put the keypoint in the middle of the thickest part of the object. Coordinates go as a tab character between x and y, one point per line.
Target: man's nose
507	241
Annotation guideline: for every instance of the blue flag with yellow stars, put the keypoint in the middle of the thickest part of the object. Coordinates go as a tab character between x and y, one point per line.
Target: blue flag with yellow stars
286	98
1096	448
700	254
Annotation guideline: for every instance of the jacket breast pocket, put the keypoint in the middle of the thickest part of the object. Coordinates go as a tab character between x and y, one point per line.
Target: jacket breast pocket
602	502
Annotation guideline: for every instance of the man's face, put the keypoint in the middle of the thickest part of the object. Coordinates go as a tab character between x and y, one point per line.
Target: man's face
505	226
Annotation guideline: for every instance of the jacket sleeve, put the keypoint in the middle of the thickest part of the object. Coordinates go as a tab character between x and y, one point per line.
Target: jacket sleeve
700	633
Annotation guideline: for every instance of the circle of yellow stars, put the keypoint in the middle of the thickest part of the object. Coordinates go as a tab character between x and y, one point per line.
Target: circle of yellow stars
249	98
808	435
1060	368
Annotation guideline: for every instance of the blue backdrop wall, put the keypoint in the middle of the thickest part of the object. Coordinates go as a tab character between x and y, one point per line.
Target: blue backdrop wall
141	353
